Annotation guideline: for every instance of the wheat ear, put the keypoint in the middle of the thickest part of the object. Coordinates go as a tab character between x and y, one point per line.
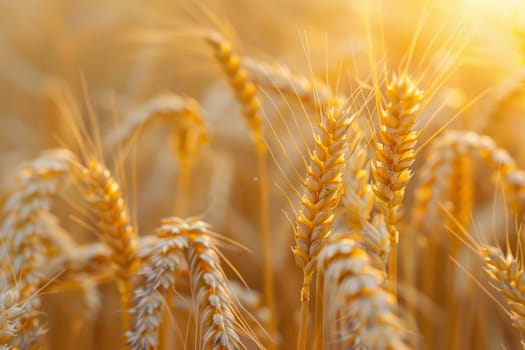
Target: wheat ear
245	91
188	133
357	293
92	259
158	270
279	77
25	230
509	279
395	154
168	107
216	317
439	167
12	310
432	187
357	204
322	192
106	201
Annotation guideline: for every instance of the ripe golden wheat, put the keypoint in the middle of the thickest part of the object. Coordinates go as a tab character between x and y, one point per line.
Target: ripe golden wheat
354	217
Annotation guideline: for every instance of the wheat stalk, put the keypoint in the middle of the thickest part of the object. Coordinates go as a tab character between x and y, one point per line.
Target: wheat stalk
106	201
322	193
395	154
245	91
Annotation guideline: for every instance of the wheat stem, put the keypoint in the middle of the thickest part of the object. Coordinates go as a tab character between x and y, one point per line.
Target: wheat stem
245	91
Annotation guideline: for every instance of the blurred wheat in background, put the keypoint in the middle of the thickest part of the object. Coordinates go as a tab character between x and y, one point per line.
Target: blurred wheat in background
262	174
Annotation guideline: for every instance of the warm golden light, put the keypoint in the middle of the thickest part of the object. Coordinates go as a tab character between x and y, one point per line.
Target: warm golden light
298	174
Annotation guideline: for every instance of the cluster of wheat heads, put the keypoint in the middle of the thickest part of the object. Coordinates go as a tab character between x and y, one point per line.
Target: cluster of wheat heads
370	261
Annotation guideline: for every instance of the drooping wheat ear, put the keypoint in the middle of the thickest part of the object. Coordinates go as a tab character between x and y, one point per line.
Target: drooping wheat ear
242	85
357	296
183	113
216	316
323	188
180	113
159	271
395	154
439	167
432	188
106	201
25	228
245	91
279	77
509	279
92	259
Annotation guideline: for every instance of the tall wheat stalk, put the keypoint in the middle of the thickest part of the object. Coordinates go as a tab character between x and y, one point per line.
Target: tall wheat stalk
105	198
322	192
245	91
395	154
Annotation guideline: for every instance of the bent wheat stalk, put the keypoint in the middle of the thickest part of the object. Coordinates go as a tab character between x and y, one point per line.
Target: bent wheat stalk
188	133
245	91
440	165
279	77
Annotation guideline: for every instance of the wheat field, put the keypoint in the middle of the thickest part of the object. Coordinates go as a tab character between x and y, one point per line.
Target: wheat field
250	174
